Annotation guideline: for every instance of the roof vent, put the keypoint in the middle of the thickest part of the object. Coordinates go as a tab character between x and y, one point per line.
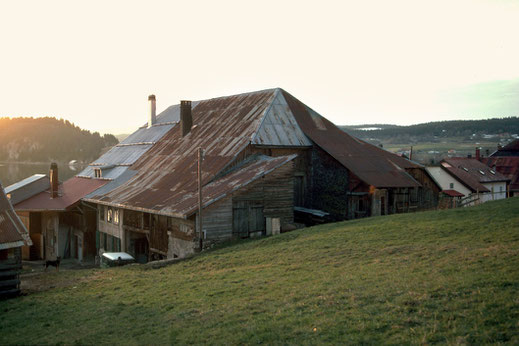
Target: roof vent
481	172
493	172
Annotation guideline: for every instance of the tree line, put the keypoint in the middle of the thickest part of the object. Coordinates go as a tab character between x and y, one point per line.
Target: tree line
438	129
49	139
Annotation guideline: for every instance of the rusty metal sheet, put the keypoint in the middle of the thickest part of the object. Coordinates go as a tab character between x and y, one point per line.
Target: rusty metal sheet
166	174
69	193
12	231
375	166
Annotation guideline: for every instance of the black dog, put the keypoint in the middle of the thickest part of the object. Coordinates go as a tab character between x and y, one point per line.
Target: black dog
53	263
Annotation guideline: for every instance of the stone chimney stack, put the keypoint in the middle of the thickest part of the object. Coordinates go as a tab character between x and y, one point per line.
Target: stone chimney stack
153	111
186	119
54	183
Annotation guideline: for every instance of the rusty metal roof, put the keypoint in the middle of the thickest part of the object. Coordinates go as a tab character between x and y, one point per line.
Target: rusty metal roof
452	193
223	127
134	146
507	166
12	231
69	193
166	174
373	165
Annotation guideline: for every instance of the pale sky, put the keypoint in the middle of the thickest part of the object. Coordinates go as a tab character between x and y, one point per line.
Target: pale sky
355	62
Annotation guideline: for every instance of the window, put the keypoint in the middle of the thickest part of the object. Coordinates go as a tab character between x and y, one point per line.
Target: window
493	172
116	216
97	172
109	216
481	172
101	213
452	185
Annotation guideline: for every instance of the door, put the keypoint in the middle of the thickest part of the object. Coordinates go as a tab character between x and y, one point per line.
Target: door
247	218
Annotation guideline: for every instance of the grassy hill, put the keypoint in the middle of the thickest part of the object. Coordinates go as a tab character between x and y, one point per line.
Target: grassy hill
441	276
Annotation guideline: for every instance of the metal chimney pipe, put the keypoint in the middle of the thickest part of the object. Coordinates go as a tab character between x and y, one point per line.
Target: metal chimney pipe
54	183
186	119
153	111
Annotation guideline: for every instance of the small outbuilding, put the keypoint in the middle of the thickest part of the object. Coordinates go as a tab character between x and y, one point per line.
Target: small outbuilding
13	235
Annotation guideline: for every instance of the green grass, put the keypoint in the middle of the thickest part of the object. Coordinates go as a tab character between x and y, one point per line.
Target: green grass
433	277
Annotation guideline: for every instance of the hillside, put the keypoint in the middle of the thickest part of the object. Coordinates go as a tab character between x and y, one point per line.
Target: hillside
473	129
440	276
434	141
49	139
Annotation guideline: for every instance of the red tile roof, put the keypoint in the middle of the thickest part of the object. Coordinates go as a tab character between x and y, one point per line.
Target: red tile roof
453	193
69	193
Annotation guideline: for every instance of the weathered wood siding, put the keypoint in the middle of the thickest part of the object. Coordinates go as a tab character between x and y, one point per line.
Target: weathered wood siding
217	220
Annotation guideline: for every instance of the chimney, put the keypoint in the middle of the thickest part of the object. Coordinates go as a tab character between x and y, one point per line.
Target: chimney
478	153
53	173
186	120
153	111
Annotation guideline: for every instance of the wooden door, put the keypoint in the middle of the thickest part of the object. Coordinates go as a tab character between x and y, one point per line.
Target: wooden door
247	218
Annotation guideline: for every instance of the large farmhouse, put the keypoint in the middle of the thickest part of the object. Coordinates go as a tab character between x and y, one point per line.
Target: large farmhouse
265	154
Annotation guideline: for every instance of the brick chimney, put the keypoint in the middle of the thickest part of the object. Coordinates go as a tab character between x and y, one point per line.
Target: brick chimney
54	183
478	153
152	119
186	120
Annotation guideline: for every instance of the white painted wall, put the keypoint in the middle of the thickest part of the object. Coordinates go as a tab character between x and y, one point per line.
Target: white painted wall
445	180
499	190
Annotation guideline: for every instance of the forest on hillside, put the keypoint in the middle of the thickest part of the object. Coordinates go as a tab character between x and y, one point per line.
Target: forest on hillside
436	130
49	139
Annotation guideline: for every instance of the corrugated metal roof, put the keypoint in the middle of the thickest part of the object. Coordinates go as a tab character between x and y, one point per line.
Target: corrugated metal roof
279	127
69	193
222	126
25	182
27	187
12	231
371	164
112	184
507	166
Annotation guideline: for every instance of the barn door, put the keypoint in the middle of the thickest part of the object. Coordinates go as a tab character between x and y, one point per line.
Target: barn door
247	218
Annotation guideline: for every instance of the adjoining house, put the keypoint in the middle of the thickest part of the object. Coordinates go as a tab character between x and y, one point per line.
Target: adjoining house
13	235
506	161
58	224
470	178
265	154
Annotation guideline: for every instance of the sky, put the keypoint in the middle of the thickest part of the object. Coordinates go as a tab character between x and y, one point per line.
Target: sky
404	62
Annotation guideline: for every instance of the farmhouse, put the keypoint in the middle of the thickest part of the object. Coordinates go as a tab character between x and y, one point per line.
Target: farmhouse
506	161
13	236
470	178
58	224
262	155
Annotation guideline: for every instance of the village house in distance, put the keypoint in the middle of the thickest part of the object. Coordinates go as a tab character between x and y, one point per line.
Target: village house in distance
269	163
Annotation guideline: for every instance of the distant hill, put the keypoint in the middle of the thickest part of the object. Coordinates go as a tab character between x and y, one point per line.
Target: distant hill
49	139
434	130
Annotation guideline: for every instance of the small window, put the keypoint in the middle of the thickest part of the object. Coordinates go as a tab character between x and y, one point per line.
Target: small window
452	185
97	173
481	172
116	216
101	213
465	169
500	190
493	172
110	215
